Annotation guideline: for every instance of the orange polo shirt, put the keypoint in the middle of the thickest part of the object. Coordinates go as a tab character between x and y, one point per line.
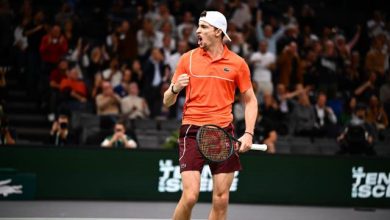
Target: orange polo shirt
210	93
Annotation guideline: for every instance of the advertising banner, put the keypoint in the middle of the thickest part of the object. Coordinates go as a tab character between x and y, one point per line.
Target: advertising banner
119	174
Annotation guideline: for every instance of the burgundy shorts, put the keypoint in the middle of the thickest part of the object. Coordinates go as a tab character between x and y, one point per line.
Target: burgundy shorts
191	159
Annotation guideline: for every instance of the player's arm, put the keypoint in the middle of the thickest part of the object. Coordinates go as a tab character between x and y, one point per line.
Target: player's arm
170	95
250	119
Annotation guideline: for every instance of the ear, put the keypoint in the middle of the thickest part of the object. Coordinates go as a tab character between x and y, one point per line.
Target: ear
218	32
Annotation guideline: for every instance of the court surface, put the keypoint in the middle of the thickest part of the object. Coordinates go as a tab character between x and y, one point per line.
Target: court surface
107	210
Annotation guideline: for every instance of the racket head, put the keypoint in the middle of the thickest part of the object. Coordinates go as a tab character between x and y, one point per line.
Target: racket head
214	143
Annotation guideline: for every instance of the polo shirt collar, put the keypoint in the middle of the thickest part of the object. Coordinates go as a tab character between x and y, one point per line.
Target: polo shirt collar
225	53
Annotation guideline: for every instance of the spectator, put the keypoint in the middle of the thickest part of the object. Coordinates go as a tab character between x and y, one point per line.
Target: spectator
241	13
173	59
56	76
303	116
122	88
65	14
239	115
270	122
21	45
187	35
52	48
376	24
7	135
367	88
137	73
263	63
290	66
267	33
74	91
289	15
328	66
350	78
113	74
107	103
307	17
187	25
343	48
154	76
169	47
133	106
348	111
71	35
291	34
358	136
310	72
285	100
34	32
127	42
112	42
376	56
60	134
119	139
325	118
96	63
167	29
164	17
147	38
237	43
377	116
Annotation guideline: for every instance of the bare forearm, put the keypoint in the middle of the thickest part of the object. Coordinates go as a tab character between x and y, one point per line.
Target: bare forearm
250	111
250	116
169	97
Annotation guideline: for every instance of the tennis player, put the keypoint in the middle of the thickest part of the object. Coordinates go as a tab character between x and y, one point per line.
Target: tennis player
210	73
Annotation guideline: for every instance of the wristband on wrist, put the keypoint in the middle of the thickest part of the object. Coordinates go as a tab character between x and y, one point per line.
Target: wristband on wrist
173	91
246	132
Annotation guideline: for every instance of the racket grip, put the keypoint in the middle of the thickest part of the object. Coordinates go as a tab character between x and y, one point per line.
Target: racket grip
262	147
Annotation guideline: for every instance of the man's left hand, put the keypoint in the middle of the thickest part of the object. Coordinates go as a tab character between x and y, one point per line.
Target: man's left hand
246	142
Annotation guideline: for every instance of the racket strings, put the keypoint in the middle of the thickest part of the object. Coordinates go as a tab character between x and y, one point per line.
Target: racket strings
214	144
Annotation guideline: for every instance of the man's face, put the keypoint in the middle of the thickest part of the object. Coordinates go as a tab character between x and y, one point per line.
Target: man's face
56	31
263	46
268	31
107	88
73	74
119	129
133	89
63	66
206	34
321	100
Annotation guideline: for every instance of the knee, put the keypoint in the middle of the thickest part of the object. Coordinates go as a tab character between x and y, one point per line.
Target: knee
190	198
221	201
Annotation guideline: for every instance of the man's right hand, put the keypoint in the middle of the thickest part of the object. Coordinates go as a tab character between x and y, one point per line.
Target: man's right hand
182	81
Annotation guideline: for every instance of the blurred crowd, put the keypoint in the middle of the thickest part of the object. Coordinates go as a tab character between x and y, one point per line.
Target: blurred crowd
116	57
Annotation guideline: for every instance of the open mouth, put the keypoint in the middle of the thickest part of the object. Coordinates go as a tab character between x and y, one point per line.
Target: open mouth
200	40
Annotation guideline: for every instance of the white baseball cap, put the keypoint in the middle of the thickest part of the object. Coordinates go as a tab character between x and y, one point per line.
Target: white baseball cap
216	19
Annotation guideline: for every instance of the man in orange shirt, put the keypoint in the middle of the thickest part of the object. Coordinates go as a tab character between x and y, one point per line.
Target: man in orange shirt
210	73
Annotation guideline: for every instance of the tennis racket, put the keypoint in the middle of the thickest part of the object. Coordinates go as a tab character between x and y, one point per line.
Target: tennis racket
217	145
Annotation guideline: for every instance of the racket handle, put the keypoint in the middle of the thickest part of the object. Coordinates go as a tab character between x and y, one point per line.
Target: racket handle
262	147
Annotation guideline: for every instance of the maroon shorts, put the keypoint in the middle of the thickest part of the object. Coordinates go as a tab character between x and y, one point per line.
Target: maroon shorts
191	159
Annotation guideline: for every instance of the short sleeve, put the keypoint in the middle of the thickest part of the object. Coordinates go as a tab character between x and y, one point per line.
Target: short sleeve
243	77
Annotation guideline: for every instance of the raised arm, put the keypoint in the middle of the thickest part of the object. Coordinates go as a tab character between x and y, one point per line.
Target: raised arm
170	95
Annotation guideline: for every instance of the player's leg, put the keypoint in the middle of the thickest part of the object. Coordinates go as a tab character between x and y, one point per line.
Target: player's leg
221	187
189	197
